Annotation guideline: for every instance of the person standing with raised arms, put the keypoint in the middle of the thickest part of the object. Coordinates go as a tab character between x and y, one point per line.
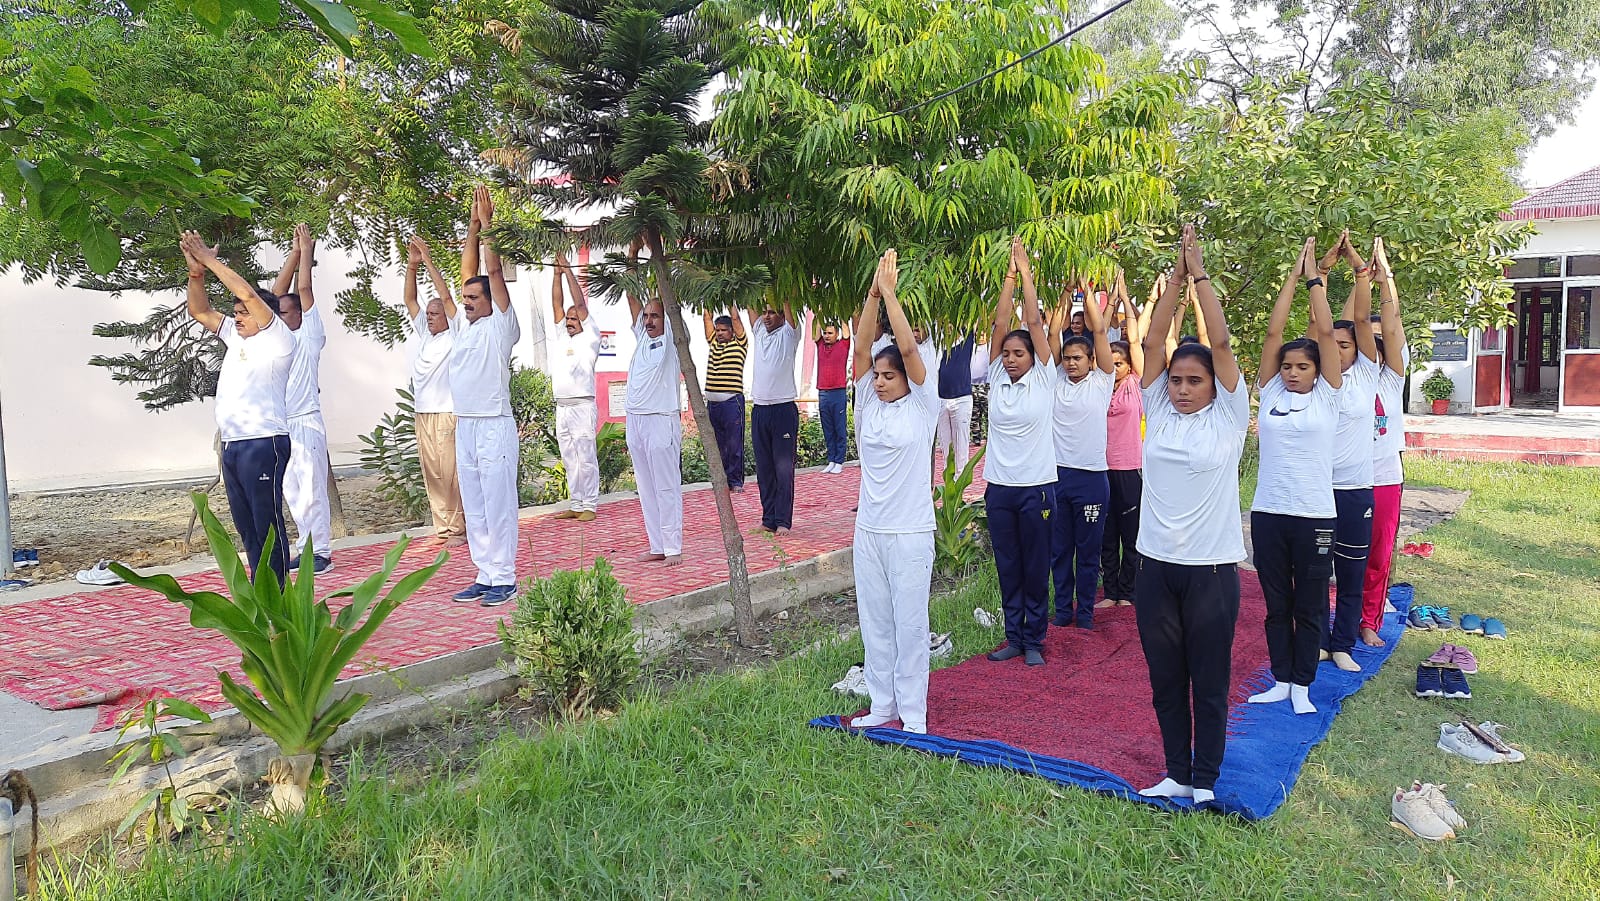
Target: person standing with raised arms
434	409
305	487
251	412
486	436
774	416
1191	536
655	431
1292	516
897	404
729	346
1124	459
1020	464
574	351
1388	473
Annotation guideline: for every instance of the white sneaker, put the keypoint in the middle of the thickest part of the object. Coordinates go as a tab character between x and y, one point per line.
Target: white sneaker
983	617
99	574
1460	741
1489	734
853	683
1412	810
1443	808
939	645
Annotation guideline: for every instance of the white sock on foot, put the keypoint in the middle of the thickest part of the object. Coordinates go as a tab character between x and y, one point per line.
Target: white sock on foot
1167	788
1278	692
918	728
1203	795
868	720
1300	697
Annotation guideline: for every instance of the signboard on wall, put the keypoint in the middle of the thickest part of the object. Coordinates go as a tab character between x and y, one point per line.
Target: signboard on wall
608	344
1449	346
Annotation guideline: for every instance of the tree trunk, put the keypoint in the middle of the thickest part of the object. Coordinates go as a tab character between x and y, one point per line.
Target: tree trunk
744	619
336	503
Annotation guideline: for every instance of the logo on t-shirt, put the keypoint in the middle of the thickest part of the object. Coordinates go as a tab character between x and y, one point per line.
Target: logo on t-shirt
1380	422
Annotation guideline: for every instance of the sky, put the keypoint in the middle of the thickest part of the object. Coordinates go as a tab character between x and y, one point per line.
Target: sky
1572	149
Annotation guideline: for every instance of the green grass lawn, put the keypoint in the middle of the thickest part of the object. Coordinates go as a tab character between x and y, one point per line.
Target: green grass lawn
721	790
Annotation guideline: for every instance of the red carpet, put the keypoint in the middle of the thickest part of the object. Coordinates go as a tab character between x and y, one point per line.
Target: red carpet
1091	702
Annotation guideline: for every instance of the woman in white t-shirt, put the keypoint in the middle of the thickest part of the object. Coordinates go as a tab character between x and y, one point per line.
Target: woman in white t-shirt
897	407
1083	396
1019	464
1191	539
1292	516
1352	457
1389	440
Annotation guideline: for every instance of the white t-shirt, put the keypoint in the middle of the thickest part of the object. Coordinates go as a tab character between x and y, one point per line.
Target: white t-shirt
774	351
1389	427
980	364
430	368
572	360
251	386
653	372
895	440
1080	419
1352	442
1021	441
1190	504
1297	436
480	362
302	398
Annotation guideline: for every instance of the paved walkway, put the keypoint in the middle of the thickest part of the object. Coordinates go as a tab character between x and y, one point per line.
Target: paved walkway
1533	424
111	647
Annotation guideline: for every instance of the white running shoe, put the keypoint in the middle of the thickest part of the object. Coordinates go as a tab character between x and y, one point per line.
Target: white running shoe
1443	808
1489	734
853	683
1412	810
983	617
99	574
1460	741
939	645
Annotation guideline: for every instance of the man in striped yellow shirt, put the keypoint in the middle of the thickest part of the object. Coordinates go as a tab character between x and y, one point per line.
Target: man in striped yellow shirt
725	391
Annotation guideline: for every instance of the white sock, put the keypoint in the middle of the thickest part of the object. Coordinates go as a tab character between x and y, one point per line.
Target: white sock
1300	697
918	728
1167	788
1203	795
869	720
1278	692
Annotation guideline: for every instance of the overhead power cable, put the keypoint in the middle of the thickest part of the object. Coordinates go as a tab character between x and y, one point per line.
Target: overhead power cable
1013	64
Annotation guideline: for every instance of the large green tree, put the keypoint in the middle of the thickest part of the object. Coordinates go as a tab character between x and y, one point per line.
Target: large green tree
848	154
368	150
601	123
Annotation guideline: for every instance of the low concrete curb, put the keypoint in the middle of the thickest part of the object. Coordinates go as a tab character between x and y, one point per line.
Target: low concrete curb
78	798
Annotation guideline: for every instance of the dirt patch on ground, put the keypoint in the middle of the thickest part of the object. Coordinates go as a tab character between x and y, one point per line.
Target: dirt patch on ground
147	526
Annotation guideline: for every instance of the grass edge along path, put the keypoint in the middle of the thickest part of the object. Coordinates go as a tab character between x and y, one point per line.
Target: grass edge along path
722	790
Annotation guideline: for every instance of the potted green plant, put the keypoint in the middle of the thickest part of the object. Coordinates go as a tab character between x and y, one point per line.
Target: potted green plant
1437	388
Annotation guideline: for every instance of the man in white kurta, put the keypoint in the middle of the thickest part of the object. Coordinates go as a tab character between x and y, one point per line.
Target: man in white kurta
574	350
655	432
305	487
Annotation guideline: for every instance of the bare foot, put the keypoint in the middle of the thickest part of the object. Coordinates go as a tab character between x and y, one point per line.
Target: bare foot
1124	603
652	558
782	530
674	559
1371	638
567	514
1107	602
455	542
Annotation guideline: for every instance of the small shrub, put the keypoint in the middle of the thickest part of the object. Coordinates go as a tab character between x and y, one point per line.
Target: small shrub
391	452
165	810
572	637
959	524
611	447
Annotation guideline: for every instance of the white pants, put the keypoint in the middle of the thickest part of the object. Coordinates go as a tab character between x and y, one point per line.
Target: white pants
954	429
305	484
655	441
486	460
577	421
893	573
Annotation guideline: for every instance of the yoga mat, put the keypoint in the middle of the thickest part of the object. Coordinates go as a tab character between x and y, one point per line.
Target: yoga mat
1085	718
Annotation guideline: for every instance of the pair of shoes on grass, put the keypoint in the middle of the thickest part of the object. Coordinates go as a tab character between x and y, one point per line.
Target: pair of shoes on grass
1427	617
1451	656
1488	627
1479	743
1425	812
1422	549
1441	682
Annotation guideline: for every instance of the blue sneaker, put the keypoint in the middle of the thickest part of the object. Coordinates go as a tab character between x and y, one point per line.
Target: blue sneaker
1493	628
1472	624
1430	682
1421	618
497	595
1441	618
1455	684
471	593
